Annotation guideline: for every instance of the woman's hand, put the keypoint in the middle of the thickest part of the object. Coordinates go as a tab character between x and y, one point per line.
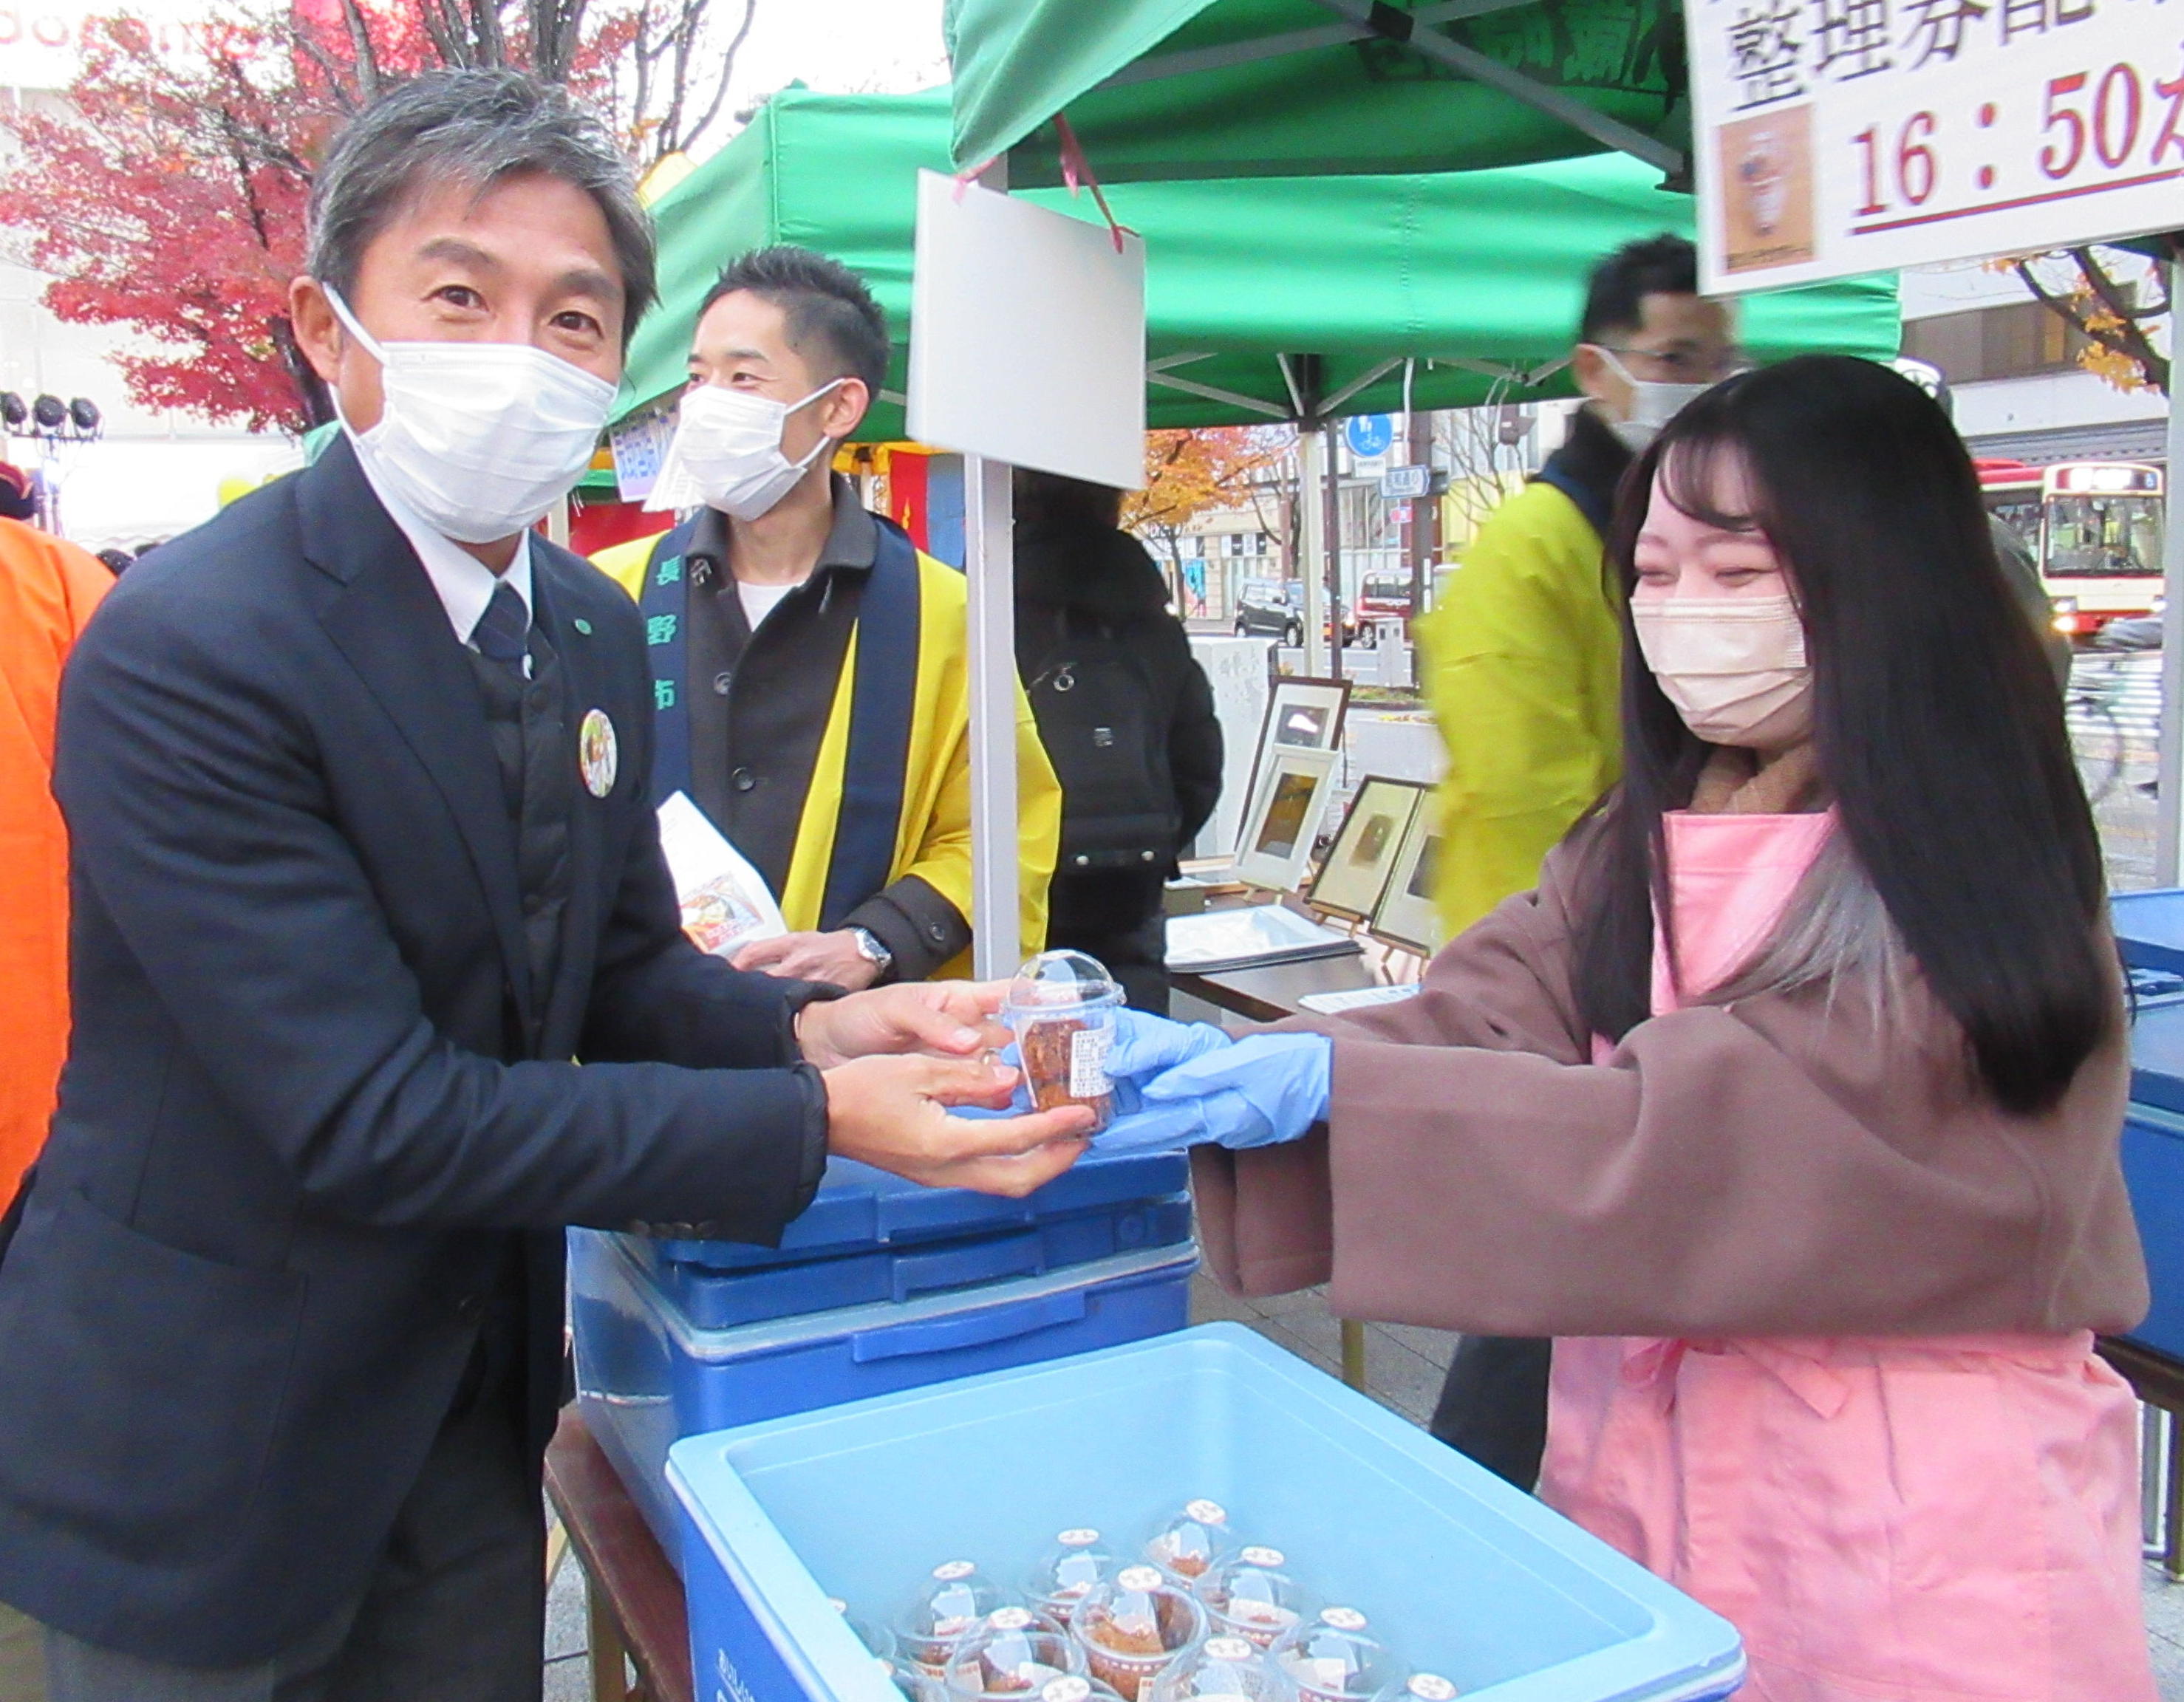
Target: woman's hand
1146	1045
892	1113
942	1019
1259	1091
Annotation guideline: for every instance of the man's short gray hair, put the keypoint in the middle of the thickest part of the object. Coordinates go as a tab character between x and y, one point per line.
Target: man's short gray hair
476	127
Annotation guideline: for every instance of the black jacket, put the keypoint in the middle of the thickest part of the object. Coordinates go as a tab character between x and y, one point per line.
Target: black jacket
1104	575
298	1121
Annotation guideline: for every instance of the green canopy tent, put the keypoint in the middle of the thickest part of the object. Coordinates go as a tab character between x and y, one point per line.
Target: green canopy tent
1232	88
1273	299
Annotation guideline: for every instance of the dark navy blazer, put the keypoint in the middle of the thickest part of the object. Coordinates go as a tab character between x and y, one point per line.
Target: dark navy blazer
296	1123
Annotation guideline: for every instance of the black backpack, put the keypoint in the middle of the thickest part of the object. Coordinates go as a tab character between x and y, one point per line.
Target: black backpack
1104	719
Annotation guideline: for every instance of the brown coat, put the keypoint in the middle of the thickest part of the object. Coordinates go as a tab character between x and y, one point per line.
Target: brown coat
1787	1166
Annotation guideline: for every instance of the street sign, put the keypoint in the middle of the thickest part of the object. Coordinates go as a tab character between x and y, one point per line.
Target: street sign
1840	136
1369	434
1400	484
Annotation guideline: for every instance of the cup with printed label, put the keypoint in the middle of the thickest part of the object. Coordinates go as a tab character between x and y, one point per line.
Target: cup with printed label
1062	1009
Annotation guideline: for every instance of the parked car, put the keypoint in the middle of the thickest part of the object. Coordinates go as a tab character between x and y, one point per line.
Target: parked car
1384	597
1278	611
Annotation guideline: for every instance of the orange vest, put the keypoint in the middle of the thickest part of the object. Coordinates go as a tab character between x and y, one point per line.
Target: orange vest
48	590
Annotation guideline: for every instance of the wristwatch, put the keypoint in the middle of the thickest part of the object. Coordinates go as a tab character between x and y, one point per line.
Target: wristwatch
871	950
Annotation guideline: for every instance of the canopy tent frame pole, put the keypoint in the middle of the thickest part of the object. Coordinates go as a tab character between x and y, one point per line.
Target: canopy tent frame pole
1212	393
1431	44
2169	764
1311	527
997	943
1192	60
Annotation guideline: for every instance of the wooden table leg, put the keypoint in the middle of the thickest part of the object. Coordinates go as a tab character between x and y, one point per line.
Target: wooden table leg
1353	1353
610	1675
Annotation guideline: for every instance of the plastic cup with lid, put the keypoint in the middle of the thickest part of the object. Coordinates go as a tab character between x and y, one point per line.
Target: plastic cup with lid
1062	1009
1066	1572
1133	1625
1191	1543
877	1638
1335	1658
1077	1687
1217	1670
952	1602
1253	1594
1421	1687
1015	1652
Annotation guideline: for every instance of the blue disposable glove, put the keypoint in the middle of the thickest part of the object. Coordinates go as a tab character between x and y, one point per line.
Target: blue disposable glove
1146	1045
1257	1093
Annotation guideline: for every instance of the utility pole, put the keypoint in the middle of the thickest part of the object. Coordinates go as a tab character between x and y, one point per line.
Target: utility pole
1333	553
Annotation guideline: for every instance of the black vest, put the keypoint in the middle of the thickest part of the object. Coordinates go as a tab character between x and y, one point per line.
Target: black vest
536	752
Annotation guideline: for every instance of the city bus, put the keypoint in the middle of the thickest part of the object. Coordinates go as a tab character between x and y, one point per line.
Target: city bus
2095	529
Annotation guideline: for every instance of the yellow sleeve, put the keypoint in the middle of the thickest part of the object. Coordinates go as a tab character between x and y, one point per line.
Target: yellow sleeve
624	563
1523	661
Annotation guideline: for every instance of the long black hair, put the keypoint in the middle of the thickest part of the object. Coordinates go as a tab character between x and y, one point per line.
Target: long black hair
1937	725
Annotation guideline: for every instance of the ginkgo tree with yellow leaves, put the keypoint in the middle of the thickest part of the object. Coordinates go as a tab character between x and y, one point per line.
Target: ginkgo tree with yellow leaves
2081	285
1193	472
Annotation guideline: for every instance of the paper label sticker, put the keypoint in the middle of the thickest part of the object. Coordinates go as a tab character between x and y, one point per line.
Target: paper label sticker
1080	1537
1087	1063
1431	1687
1009	1618
1139	1578
1208	1512
1256	1556
1227	1648
1344	1618
948	1570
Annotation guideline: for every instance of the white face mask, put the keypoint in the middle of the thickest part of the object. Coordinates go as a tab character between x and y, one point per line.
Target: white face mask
1728	664
727	453
1652	405
480	439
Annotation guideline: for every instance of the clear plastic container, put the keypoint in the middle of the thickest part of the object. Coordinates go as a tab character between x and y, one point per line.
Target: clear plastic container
950	1604
1191	1543
1218	1669
1335	1659
1078	1689
1062	1009
1421	1687
1015	1654
1066	1572
1253	1596
876	1637
1133	1625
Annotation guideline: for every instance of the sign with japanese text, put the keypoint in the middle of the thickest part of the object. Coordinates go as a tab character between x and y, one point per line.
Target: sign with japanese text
1840	136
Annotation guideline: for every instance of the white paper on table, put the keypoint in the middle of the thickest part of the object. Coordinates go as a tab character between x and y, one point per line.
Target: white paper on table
726	902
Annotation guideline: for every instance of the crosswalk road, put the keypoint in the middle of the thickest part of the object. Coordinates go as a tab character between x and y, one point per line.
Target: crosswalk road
2127	685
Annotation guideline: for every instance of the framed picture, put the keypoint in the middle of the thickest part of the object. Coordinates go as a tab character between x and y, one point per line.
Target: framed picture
1351	882
1405	916
1301	714
1284	817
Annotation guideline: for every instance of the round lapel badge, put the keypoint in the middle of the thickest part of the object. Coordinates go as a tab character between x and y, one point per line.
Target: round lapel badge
597	754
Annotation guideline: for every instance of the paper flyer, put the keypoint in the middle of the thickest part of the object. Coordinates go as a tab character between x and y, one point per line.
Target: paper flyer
726	902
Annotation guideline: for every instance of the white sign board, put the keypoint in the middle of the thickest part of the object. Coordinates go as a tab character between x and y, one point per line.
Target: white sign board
1840	136
1238	670
1027	335
639	444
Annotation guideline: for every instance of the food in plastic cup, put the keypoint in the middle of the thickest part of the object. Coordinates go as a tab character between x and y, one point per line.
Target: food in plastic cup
1421	1687
1253	1594
1133	1625
1191	1543
1067	1572
1061	1008
1221	1669
1015	1653
878	1639
950	1605
1335	1659
1078	1689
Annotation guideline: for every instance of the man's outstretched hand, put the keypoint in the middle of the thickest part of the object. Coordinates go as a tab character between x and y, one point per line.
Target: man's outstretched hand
942	1019
893	1113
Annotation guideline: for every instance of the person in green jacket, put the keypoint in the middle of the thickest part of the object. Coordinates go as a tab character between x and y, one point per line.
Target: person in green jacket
1522	658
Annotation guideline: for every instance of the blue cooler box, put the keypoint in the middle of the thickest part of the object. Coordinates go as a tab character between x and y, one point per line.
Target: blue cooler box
1463	1574
881	1285
2153	1163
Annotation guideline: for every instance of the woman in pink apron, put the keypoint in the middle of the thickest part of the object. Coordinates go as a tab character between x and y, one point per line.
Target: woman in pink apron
1789	1104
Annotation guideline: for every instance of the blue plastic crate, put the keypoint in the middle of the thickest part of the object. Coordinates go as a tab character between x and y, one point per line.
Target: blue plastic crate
647	1375
1463	1574
2149	929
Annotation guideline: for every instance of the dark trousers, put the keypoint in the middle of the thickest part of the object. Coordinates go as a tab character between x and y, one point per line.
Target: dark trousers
1115	916
1493	1407
455	1612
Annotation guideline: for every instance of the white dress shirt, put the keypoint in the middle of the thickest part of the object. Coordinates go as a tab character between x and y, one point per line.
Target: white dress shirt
464	583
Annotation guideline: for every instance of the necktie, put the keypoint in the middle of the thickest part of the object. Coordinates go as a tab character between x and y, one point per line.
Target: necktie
505	629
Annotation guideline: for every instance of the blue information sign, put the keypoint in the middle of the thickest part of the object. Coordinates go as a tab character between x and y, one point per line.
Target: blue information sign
1369	434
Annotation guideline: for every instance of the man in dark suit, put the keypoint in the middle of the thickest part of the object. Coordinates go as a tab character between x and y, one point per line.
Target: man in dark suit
356	778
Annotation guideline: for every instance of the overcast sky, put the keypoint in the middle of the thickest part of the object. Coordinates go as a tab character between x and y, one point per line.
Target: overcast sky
842	46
